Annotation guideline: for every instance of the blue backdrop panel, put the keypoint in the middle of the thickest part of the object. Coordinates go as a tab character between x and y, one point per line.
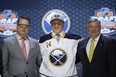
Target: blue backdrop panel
79	12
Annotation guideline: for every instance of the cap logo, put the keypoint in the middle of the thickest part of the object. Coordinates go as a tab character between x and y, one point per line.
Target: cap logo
56	15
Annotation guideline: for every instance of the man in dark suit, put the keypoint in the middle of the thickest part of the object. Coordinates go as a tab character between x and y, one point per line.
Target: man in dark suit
0	63
21	53
1	67
97	57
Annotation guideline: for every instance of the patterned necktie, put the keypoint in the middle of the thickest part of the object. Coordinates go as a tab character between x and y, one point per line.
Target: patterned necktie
58	37
91	51
24	48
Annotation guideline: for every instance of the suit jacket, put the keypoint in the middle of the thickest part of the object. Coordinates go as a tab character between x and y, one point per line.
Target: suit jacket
103	62
1	66
14	63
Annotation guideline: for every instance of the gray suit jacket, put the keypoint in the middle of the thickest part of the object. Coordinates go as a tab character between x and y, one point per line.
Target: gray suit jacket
14	63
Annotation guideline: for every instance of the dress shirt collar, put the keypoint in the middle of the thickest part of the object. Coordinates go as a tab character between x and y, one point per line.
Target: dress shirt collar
19	37
96	39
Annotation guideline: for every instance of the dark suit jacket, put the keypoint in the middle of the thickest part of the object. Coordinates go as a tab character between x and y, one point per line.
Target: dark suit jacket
1	66
14	63
1	63
103	62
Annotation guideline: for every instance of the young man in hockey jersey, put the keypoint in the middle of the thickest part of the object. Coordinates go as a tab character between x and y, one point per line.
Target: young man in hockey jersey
58	50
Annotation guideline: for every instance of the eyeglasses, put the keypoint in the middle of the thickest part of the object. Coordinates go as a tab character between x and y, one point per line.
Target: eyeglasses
23	25
56	24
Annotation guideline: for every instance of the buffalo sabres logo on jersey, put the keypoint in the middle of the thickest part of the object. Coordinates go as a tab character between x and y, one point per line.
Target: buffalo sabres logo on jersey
58	57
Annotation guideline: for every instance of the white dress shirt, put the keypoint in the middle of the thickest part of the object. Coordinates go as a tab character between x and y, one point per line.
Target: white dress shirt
89	43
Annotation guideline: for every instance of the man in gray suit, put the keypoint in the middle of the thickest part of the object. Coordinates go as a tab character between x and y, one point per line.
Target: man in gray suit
21	53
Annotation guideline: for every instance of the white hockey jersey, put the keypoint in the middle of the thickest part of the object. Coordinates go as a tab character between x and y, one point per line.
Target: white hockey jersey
58	55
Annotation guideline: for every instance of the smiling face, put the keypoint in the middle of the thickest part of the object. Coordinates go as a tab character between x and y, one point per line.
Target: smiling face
57	25
23	27
94	28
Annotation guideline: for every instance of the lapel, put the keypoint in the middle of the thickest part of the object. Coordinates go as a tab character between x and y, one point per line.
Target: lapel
18	48
31	43
97	50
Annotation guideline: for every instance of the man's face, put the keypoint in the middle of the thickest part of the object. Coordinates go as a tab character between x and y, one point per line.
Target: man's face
94	29
23	27
57	25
